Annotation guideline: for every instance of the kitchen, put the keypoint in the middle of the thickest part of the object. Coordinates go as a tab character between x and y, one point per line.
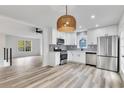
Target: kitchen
86	46
71	48
76	46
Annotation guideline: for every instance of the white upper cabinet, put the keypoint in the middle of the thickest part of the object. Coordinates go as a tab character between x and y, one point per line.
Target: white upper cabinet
61	35
73	39
93	34
70	38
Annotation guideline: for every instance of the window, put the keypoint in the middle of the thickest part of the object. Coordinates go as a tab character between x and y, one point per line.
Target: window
21	45
24	46
27	45
82	43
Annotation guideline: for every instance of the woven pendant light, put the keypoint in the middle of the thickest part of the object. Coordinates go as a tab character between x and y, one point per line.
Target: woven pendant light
66	23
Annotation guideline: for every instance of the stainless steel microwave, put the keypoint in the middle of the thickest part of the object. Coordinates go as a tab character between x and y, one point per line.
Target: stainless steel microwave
60	41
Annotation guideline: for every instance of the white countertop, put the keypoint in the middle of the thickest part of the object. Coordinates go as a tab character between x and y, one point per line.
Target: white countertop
74	51
54	51
82	51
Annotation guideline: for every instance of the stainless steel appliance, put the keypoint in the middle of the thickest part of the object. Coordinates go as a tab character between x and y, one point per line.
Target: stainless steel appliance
60	41
107	53
63	57
91	58
56	48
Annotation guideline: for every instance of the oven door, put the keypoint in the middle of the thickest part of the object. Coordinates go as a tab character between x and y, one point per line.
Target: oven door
63	59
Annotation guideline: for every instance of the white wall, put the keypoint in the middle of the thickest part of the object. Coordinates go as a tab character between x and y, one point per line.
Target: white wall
2	45
18	28
41	46
45	40
12	42
93	34
67	36
121	34
9	26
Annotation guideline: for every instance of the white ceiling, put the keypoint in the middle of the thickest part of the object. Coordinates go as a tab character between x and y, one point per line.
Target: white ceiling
43	15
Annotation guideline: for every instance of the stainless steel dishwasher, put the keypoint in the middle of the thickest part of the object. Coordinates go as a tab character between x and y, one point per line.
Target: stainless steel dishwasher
91	58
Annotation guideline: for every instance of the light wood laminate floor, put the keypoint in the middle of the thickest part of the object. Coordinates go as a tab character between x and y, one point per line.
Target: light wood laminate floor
66	76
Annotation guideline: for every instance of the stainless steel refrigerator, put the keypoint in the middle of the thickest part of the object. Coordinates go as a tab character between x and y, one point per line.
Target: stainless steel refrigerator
107	53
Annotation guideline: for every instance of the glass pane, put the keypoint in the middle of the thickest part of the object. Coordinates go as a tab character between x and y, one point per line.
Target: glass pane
21	45
82	43
24	45
28	45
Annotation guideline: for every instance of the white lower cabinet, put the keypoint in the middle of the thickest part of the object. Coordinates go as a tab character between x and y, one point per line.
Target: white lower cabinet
77	56
54	58
73	56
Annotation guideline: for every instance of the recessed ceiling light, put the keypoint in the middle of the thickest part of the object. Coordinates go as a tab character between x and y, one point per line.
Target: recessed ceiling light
97	25
93	16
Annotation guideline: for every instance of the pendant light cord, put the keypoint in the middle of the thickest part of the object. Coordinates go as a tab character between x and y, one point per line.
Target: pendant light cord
66	10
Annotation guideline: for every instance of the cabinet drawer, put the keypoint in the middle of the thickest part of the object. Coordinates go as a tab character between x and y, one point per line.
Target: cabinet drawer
108	63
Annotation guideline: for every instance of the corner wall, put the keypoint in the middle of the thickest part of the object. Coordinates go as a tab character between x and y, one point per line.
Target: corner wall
121	34
2	45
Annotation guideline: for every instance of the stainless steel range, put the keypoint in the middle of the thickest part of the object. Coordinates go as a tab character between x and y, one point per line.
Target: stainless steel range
63	53
63	57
